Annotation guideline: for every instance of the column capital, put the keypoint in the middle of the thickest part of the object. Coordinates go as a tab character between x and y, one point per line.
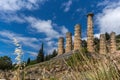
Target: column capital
90	14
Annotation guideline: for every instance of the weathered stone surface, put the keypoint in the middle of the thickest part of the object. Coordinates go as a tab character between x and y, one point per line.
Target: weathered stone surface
112	42
60	45
68	42
77	37
103	49
90	36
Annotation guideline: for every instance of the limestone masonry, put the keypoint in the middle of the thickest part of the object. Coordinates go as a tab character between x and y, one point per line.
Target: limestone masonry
112	42
90	36
61	45
77	37
68	42
103	48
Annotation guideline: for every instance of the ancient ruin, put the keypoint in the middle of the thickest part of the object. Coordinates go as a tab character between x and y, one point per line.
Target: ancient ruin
77	37
112	42
68	42
61	45
103	49
59	66
90	36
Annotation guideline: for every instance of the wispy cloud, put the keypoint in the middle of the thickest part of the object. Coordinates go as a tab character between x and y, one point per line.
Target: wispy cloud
41	26
7	37
46	26
67	5
108	19
10	10
16	5
34	54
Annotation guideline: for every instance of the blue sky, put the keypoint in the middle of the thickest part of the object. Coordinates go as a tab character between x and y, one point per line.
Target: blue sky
32	22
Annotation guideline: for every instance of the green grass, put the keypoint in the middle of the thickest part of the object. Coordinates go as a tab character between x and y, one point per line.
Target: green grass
86	67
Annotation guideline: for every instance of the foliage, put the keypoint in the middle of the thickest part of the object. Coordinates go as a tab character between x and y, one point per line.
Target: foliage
40	57
86	67
49	56
28	61
107	35
32	62
5	63
84	43
96	43
54	53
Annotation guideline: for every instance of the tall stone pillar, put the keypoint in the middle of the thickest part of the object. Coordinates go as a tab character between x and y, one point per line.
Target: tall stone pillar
60	45
68	42
90	35
77	37
103	47
112	42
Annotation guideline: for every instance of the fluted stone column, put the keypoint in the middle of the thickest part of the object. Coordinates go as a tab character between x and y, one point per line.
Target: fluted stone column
103	47
60	45
112	42
77	37
68	42
90	35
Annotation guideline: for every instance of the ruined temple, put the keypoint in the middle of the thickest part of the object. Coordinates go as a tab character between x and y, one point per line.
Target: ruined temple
77	37
103	45
112	42
90	35
103	48
68	42
61	45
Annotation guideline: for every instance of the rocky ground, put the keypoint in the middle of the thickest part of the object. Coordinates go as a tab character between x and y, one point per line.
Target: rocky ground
55	68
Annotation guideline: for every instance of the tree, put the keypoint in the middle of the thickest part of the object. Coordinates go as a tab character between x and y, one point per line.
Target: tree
28	61
84	43
40	57
107	35
54	53
5	63
96	44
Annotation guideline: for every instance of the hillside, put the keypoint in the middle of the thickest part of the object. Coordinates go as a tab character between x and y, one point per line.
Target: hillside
74	67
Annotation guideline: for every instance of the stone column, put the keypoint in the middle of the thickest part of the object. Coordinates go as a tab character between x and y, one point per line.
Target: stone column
77	37
90	35
103	49
60	45
112	42
68	42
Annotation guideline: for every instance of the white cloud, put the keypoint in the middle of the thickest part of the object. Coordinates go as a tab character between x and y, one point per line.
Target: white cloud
46	27
42	26
64	30
1	53
12	18
8	36
103	3
97	35
109	19
34	54
67	5
16	5
10	9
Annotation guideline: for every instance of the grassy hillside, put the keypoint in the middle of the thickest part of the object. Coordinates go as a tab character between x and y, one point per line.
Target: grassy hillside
77	66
